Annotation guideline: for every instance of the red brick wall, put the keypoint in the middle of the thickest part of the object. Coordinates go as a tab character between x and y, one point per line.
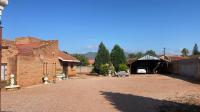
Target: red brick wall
72	70
30	70
24	40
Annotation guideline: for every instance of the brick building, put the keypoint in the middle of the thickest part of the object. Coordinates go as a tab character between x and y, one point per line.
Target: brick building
30	59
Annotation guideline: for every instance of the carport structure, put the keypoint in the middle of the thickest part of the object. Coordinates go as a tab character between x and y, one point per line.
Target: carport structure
151	64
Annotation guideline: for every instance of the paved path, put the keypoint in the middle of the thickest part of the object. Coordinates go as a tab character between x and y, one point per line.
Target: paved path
98	94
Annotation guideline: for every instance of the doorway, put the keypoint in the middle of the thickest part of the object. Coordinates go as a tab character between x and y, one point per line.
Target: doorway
3	71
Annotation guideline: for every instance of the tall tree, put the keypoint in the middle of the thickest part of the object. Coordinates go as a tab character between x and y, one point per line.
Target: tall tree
136	55
131	55
102	57
195	50
185	52
117	57
83	59
151	52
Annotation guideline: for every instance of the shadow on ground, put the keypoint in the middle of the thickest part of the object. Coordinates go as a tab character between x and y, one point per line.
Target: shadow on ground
133	103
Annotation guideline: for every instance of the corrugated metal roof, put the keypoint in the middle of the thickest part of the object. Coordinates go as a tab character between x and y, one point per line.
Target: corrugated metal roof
148	57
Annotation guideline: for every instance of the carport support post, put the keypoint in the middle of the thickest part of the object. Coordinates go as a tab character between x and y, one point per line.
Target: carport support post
198	68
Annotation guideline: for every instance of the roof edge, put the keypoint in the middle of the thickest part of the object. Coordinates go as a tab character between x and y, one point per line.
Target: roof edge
68	60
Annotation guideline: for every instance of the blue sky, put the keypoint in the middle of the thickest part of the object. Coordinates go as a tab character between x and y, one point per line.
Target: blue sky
80	25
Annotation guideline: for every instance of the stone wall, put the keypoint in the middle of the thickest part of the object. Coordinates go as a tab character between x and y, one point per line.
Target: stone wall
84	69
187	67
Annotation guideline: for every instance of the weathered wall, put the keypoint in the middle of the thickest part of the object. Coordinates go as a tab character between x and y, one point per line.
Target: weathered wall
49	53
71	70
24	40
30	68
84	69
187	67
9	57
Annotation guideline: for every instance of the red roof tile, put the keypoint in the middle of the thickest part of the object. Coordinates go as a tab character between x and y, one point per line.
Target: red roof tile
66	57
91	61
177	58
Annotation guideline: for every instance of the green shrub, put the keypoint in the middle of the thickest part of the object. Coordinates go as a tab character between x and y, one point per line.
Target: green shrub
104	69
112	69
123	67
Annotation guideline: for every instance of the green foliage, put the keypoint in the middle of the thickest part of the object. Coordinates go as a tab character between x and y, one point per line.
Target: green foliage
185	52
123	67
83	59
141	54
195	50
117	57
112	69
151	53
136	55
102	57
104	69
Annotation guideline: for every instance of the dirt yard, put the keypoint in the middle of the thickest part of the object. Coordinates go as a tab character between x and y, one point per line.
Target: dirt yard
141	93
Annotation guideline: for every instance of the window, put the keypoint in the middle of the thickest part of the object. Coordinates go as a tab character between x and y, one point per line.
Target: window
3	71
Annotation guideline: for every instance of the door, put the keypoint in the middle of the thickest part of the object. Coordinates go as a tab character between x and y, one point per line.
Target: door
4	71
65	69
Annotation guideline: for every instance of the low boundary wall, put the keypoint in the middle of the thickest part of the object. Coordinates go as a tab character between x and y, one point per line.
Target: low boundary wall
84	69
187	67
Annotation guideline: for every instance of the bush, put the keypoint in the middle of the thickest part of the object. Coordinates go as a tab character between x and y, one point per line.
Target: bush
112	69
123	67
104	69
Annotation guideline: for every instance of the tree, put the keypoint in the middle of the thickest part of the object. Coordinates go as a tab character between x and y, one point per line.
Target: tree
123	67
185	52
102	57
136	55
117	57
104	69
151	53
131	55
83	59
195	50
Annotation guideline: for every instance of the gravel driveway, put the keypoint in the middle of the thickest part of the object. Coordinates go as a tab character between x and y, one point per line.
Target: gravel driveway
139	93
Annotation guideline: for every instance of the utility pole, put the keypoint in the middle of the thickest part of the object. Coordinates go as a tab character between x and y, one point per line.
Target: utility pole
164	51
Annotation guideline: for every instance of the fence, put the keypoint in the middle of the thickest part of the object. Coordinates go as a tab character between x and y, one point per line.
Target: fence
187	67
84	69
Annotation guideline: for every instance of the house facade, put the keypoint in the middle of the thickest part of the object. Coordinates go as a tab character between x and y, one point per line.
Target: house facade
30	59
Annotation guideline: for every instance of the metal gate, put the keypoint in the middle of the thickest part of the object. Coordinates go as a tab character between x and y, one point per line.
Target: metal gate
3	71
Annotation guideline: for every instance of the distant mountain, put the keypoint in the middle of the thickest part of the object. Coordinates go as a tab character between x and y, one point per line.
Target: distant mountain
90	55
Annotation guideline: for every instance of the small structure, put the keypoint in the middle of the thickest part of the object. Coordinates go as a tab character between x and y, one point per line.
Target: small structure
151	64
68	64
30	59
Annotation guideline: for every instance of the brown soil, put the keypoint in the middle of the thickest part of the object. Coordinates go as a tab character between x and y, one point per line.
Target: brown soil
141	93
